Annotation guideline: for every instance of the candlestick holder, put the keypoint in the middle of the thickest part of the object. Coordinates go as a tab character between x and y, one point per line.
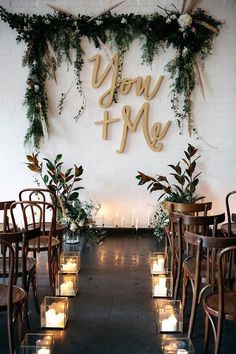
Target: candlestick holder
173	345
158	263
169	316
37	343
70	262
54	312
162	285
66	284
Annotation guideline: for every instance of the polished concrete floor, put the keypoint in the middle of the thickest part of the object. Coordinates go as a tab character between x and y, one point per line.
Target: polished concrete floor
113	312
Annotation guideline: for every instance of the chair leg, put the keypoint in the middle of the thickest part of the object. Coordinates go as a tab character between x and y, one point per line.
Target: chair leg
10	331
33	280
193	309
177	282
206	337
218	335
185	287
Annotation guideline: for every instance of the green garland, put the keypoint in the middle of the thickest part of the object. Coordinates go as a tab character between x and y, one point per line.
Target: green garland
50	39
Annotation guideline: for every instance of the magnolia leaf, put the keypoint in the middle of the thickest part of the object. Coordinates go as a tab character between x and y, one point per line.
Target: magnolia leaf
67	179
73	196
30	158
45	179
33	168
68	172
78	170
58	158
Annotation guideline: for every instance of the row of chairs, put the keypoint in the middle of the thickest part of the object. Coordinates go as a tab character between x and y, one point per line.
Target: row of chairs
203	256
28	227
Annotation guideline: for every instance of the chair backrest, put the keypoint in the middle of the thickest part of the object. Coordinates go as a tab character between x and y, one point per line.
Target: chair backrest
228	201
208	248
202	224
38	194
4	209
7	270
34	216
19	241
190	208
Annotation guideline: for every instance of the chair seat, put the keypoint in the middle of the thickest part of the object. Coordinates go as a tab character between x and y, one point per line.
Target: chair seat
30	264
33	244
211	301
224	229
19	295
59	227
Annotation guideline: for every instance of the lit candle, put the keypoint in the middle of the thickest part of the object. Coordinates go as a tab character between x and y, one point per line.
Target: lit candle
148	219
132	218
160	288
53	319
158	265
122	221
136	224
69	266
169	324
43	351
67	288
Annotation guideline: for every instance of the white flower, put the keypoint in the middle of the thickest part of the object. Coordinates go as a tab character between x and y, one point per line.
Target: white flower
168	20
123	20
73	226
184	51
81	223
173	17
98	22
47	22
185	20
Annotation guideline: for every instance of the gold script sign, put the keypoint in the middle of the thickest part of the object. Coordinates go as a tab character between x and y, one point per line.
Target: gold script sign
142	87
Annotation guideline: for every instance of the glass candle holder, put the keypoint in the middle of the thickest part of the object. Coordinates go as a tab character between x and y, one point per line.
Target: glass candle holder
169	316
54	312
162	285
66	284
37	343
70	262
172	345
158	264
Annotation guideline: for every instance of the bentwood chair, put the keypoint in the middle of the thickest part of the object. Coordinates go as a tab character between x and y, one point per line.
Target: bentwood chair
221	304
25	266
44	195
173	239
200	268
4	209
38	215
229	228
12	298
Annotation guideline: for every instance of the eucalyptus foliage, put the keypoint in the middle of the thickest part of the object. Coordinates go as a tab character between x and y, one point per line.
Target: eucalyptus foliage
51	39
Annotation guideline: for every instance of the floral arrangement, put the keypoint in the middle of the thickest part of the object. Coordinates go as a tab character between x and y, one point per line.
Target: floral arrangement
74	214
183	190
50	39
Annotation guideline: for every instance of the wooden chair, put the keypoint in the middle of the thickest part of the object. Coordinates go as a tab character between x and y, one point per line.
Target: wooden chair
221	304
25	266
4	208
229	228
200	268
44	195
12	298
173	243
40	214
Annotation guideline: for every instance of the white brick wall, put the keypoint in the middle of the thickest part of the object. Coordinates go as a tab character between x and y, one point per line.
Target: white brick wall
110	177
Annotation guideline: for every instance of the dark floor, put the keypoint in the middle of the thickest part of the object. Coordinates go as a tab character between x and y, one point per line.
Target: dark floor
113	312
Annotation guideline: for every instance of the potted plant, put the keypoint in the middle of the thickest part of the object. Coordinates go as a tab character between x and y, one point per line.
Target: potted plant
77	216
182	190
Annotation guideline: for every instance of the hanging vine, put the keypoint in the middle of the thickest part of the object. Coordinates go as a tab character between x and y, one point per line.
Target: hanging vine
51	39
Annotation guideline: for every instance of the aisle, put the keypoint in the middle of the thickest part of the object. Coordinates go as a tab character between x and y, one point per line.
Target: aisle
113	311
